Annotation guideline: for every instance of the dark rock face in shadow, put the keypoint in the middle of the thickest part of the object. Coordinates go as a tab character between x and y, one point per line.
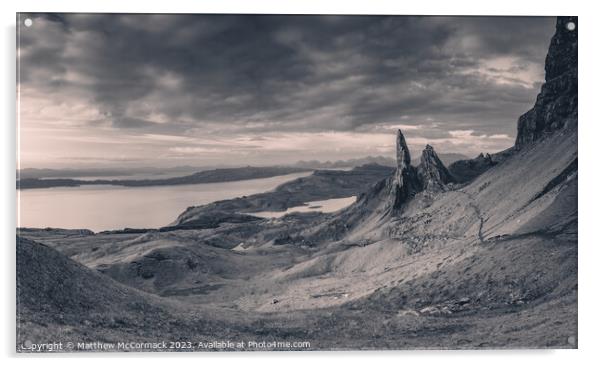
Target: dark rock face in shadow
554	109
556	105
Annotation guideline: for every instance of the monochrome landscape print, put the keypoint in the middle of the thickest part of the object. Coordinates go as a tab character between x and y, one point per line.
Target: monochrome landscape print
290	183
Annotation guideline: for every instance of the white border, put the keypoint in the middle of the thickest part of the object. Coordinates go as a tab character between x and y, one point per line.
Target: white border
590	136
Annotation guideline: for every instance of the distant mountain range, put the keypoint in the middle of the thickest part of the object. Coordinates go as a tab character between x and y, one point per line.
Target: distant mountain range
380	160
151	176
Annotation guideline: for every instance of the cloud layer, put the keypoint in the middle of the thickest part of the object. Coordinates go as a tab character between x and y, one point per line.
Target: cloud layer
173	89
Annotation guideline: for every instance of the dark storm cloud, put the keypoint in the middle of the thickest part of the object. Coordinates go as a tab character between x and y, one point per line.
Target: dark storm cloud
178	73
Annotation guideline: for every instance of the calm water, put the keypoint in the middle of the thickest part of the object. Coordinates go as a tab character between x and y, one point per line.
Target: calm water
111	207
330	205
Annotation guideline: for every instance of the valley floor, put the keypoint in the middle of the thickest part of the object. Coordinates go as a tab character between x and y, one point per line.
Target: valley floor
351	297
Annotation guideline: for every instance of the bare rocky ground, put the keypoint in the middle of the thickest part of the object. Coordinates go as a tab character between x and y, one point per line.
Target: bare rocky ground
422	260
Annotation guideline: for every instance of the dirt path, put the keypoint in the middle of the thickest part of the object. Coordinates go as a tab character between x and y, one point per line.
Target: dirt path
477	211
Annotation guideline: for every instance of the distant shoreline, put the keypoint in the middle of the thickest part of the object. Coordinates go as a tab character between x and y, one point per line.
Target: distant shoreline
322	184
208	176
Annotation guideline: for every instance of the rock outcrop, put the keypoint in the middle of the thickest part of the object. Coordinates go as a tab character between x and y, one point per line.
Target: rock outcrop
432	172
466	170
405	182
556	104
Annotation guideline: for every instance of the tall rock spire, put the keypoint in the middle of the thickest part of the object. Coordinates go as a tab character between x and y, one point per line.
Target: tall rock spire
403	153
405	183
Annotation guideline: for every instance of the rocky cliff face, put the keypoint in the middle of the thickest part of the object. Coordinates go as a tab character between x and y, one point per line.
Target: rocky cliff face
432	172
556	104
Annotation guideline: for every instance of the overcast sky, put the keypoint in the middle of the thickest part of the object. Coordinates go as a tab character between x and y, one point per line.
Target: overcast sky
164	90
